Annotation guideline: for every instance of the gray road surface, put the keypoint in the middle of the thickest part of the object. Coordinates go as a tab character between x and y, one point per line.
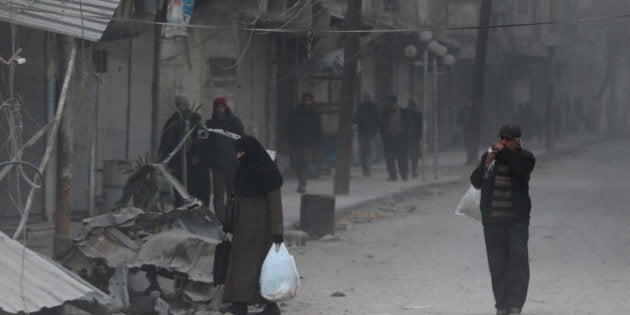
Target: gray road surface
430	261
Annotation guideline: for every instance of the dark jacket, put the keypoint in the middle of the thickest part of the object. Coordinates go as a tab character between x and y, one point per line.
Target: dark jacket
367	118
385	124
220	151
414	119
304	127
172	133
521	163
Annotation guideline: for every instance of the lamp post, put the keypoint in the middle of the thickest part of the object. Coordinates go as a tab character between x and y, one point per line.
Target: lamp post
438	51
425	37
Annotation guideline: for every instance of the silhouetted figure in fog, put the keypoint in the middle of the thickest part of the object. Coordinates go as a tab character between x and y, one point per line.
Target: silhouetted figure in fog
173	131
503	177
220	154
527	117
394	132
304	136
367	120
414	118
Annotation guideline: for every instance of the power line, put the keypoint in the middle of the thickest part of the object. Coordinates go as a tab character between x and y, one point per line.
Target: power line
294	30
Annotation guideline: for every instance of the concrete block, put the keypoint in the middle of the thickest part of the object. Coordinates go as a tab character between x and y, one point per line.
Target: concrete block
317	215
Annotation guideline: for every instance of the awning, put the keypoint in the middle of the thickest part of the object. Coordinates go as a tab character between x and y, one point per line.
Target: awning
85	19
31	282
335	8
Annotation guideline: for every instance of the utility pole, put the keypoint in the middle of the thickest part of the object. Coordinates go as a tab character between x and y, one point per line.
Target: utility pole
474	121
550	109
65	154
348	99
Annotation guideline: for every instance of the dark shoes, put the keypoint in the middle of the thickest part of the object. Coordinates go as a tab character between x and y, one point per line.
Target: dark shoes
270	309
235	309
301	189
510	311
392	179
515	310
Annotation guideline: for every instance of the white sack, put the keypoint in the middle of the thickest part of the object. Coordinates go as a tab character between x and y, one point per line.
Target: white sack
279	278
469	205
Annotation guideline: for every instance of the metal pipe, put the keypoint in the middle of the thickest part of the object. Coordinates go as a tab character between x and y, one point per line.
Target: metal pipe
93	146
435	117
425	107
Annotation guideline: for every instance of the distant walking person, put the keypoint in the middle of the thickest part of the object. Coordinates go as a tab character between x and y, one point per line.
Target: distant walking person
367	120
414	117
220	154
503	177
304	136
394	132
173	131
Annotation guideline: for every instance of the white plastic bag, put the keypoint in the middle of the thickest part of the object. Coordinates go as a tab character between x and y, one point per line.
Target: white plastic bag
279	278
469	205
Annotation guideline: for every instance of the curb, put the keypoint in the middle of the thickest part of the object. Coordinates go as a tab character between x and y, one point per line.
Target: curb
399	196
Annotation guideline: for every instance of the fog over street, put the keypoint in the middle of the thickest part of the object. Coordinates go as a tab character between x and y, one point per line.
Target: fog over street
431	261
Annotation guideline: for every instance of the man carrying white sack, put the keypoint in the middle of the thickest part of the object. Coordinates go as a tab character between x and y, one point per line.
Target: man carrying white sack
503	177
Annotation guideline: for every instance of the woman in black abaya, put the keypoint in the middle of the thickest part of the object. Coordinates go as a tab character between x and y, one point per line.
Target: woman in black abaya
257	225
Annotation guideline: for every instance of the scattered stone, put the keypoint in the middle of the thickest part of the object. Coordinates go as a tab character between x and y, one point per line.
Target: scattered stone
343	225
330	238
415	307
410	209
362	216
295	238
338	294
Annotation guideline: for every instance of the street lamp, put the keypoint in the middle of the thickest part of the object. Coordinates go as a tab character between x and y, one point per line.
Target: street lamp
411	51
438	51
448	60
426	36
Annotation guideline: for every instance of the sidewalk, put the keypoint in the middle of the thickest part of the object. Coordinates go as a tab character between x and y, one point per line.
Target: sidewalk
369	191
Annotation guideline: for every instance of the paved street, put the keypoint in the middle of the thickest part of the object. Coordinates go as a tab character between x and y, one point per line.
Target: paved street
431	261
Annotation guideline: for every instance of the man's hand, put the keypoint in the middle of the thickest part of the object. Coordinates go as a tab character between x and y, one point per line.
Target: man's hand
497	147
492	153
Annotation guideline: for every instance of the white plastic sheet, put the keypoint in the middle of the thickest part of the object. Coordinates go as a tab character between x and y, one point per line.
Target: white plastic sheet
469	205
279	278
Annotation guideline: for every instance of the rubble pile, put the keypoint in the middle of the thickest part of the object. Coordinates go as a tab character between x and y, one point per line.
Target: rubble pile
149	261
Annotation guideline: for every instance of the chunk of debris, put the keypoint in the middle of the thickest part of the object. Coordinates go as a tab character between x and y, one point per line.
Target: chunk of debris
330	238
362	216
295	238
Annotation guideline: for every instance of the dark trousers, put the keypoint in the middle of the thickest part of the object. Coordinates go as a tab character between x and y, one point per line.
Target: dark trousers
414	155
222	184
198	184
396	152
366	152
301	157
506	246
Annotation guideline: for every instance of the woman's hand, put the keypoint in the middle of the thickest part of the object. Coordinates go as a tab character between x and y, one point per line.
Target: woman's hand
278	239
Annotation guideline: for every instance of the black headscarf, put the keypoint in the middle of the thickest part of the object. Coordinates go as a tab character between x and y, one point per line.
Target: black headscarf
257	174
